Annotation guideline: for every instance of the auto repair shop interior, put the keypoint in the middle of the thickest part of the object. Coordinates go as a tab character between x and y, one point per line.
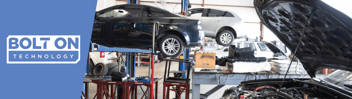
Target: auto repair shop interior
219	49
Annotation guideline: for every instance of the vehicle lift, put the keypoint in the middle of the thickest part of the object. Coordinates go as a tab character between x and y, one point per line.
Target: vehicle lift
131	85
103	82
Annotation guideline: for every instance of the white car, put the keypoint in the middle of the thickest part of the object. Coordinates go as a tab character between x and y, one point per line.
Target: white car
261	49
223	25
101	62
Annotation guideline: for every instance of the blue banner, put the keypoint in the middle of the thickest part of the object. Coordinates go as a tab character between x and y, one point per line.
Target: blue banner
48	18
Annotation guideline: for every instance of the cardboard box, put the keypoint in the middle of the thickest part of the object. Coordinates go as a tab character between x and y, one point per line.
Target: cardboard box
205	60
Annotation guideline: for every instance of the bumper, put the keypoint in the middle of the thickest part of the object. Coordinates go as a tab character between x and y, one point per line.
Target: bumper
195	44
198	43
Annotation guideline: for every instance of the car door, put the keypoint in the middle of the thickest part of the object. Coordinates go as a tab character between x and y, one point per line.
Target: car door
211	22
151	15
197	13
226	18
119	24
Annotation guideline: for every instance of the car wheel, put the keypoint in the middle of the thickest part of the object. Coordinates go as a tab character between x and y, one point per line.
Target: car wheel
170	46
100	69
225	37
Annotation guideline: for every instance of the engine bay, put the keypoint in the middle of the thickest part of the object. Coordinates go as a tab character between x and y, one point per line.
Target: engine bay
291	89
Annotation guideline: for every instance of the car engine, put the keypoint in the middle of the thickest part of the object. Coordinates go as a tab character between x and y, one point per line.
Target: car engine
292	89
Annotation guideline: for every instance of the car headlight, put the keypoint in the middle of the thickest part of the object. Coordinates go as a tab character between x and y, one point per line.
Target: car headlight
201	34
199	26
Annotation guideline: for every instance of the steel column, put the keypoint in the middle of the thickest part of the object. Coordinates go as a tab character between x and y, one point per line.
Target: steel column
261	31
86	90
130	64
183	66
112	92
99	92
133	66
132	1
195	91
184	7
156	90
152	79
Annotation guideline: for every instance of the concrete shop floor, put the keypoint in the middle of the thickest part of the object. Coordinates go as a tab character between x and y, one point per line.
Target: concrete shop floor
159	73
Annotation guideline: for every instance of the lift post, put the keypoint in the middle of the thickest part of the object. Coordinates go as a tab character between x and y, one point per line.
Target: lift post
133	1
183	65
184	7
130	69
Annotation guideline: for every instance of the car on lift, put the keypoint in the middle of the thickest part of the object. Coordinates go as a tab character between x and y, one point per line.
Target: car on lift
319	36
131	26
218	23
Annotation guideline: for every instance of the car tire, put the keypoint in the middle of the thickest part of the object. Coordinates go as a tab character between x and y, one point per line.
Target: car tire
171	46
100	69
225	38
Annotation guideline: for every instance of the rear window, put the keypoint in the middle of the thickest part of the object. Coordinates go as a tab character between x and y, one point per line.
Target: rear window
195	12
211	13
250	45
238	45
123	11
225	14
263	47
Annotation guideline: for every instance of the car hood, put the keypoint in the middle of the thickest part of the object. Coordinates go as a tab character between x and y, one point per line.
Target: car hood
326	40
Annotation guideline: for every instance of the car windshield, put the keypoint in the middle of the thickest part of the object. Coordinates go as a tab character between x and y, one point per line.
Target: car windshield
263	47
340	78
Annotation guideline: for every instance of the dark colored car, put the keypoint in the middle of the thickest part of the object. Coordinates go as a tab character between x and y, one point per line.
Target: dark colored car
131	26
320	36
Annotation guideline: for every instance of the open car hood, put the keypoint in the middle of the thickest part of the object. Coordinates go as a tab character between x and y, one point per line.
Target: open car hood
326	41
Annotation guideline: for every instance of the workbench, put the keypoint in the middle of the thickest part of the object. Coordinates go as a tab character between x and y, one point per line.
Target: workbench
221	79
